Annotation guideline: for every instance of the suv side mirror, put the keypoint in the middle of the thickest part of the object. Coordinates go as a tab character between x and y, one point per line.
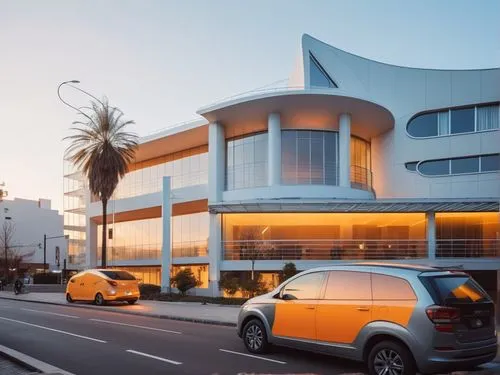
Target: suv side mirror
287	297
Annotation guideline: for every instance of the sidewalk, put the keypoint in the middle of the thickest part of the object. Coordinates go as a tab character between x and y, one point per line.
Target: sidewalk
186	311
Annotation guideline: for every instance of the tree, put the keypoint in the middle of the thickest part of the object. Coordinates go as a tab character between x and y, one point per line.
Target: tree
11	254
253	286
184	280
252	246
102	150
289	270
230	283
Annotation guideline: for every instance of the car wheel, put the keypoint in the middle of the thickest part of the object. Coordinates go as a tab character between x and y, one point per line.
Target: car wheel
99	300
68	298
391	358
132	301
255	337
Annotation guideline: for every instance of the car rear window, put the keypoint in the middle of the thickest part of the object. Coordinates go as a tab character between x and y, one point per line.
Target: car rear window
459	289
118	275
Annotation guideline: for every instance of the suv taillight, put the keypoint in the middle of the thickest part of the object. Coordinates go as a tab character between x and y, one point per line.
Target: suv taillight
112	282
443	317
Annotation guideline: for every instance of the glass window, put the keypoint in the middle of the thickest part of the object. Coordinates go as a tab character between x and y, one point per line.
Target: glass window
425	125
361	175
190	235
462	120
443	123
246	162
391	288
118	275
488	117
318	76
305	287
435	167
411	166
465	165
490	163
309	157
461	289
347	285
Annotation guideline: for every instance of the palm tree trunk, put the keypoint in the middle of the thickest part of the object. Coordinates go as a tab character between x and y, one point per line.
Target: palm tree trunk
104	232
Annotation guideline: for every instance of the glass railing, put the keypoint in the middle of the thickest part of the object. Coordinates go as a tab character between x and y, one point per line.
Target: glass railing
361	178
324	249
468	248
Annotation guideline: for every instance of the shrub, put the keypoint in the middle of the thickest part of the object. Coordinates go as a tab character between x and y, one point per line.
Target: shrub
229	283
149	291
46	278
184	280
250	288
289	270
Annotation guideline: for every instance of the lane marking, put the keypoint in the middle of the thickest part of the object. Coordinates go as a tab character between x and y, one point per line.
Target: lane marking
53	330
51	313
254	356
136	326
33	362
154	357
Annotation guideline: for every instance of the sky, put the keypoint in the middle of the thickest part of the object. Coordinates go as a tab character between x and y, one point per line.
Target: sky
159	61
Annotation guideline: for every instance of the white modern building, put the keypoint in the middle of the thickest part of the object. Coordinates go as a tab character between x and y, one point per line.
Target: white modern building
354	160
29	221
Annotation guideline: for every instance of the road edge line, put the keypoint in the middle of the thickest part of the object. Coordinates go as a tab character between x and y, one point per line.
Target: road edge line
30	362
160	316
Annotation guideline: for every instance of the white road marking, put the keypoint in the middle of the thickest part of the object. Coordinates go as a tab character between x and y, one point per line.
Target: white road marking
33	362
53	330
136	326
51	313
254	356
154	357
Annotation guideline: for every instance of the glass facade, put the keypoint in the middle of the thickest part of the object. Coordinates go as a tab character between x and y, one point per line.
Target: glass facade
318	77
361	164
187	168
246	162
74	207
142	239
145	275
473	234
455	121
309	157
318	236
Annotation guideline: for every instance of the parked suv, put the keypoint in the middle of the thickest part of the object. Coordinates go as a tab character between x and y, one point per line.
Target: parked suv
398	319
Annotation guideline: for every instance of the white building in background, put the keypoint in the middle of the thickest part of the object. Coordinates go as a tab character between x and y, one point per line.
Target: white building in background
31	220
354	160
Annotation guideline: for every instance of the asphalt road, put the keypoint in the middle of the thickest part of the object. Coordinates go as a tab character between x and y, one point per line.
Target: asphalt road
89	341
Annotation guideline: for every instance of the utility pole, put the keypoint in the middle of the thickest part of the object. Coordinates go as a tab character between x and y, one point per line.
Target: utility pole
44	253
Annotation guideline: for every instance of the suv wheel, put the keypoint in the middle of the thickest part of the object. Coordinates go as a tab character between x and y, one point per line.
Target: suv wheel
255	337
99	300
68	298
391	358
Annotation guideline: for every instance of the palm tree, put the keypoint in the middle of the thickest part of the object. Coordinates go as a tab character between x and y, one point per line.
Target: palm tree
102	150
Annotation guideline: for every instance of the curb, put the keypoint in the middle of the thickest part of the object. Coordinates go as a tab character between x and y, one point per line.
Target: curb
137	313
30	363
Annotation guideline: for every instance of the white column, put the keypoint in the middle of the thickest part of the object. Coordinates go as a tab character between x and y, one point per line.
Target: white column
91	244
345	150
214	253
166	248
274	149
216	162
431	235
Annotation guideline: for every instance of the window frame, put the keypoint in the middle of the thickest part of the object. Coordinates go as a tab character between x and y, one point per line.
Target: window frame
394	277
450	174
325	285
449	109
320	290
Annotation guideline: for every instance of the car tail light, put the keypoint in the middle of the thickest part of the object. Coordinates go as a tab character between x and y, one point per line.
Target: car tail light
443	317
112	282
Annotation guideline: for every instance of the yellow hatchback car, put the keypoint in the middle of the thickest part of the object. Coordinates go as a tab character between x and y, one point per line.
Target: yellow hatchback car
103	285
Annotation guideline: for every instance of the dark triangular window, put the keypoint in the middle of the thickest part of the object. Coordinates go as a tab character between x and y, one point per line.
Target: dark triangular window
318	76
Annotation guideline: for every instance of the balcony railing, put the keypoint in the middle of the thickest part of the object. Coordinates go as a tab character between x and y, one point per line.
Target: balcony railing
361	178
468	248
324	249
356	249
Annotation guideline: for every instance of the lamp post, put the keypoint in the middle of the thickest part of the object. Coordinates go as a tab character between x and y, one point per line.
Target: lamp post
45	238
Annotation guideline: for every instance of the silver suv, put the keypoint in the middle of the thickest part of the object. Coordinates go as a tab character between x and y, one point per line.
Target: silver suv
398	319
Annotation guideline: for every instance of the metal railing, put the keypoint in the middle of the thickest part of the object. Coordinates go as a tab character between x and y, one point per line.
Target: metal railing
361	178
324	249
468	248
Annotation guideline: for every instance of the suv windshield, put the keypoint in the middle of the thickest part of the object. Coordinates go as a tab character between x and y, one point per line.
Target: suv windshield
459	289
118	275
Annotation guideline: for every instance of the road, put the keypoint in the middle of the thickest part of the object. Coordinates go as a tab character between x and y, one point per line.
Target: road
89	341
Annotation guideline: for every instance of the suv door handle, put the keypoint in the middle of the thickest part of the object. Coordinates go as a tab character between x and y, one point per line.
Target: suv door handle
310	307
363	308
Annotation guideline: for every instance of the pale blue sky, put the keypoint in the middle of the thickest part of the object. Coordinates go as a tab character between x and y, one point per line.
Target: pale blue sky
159	61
